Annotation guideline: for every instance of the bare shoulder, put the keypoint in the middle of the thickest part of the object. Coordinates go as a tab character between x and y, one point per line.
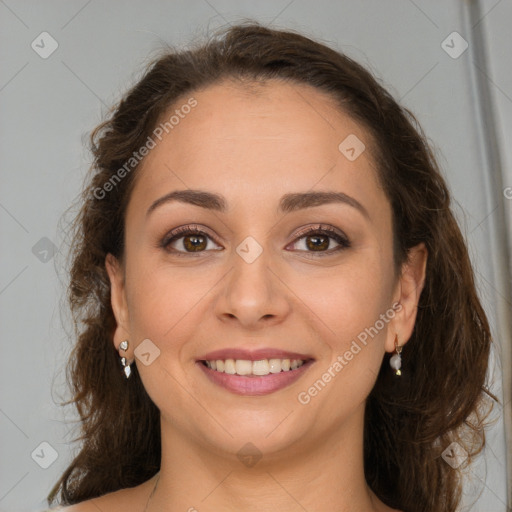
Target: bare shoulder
93	505
110	502
124	500
84	506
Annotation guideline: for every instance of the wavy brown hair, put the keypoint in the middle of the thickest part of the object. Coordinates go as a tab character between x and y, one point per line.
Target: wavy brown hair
408	421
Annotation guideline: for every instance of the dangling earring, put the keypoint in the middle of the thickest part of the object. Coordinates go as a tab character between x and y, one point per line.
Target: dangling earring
126	367
396	361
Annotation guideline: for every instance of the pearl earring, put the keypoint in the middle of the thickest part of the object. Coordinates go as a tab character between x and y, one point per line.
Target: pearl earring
396	361
126	367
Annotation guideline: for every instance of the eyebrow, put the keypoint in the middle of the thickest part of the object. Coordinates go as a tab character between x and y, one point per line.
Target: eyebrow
288	203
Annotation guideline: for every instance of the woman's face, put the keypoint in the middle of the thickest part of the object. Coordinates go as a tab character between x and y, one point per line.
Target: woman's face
254	281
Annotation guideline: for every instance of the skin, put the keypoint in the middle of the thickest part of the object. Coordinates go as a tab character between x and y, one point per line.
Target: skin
253	146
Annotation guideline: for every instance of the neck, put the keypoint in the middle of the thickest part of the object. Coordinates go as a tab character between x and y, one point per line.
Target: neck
318	475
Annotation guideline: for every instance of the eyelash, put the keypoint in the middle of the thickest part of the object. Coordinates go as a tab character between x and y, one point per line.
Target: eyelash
332	233
183	231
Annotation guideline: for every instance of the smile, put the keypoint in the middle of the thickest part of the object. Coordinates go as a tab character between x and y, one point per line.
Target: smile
261	377
254	368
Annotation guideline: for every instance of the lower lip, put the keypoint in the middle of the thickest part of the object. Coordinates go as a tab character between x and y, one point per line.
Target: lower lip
255	385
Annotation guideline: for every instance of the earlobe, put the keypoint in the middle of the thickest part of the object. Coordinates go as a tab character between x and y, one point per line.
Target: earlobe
118	299
410	286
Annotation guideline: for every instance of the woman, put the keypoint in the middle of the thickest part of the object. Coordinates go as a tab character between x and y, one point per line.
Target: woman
275	306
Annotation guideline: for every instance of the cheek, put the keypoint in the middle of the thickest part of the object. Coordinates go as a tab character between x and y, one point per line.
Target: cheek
355	310
353	334
165	300
164	307
352	297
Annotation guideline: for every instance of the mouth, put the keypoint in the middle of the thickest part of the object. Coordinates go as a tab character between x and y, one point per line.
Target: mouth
258	368
254	377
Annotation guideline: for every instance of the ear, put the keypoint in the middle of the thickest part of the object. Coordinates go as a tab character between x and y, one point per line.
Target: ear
408	291
118	301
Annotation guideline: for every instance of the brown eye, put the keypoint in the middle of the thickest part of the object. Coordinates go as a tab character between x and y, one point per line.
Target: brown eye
194	243
186	240
315	242
318	240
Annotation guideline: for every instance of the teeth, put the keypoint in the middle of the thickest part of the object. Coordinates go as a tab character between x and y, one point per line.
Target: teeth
243	367
274	365
261	367
229	366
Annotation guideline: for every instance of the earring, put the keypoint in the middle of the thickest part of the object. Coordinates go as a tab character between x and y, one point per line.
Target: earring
396	361
126	367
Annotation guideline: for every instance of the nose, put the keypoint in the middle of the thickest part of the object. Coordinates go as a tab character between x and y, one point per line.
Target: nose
253	294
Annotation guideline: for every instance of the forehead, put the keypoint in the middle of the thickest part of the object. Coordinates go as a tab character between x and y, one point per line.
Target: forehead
267	114
254	140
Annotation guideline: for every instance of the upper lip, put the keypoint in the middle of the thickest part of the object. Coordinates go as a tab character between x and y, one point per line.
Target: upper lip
253	355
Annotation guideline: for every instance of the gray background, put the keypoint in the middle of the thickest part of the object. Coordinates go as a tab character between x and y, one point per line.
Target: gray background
49	105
